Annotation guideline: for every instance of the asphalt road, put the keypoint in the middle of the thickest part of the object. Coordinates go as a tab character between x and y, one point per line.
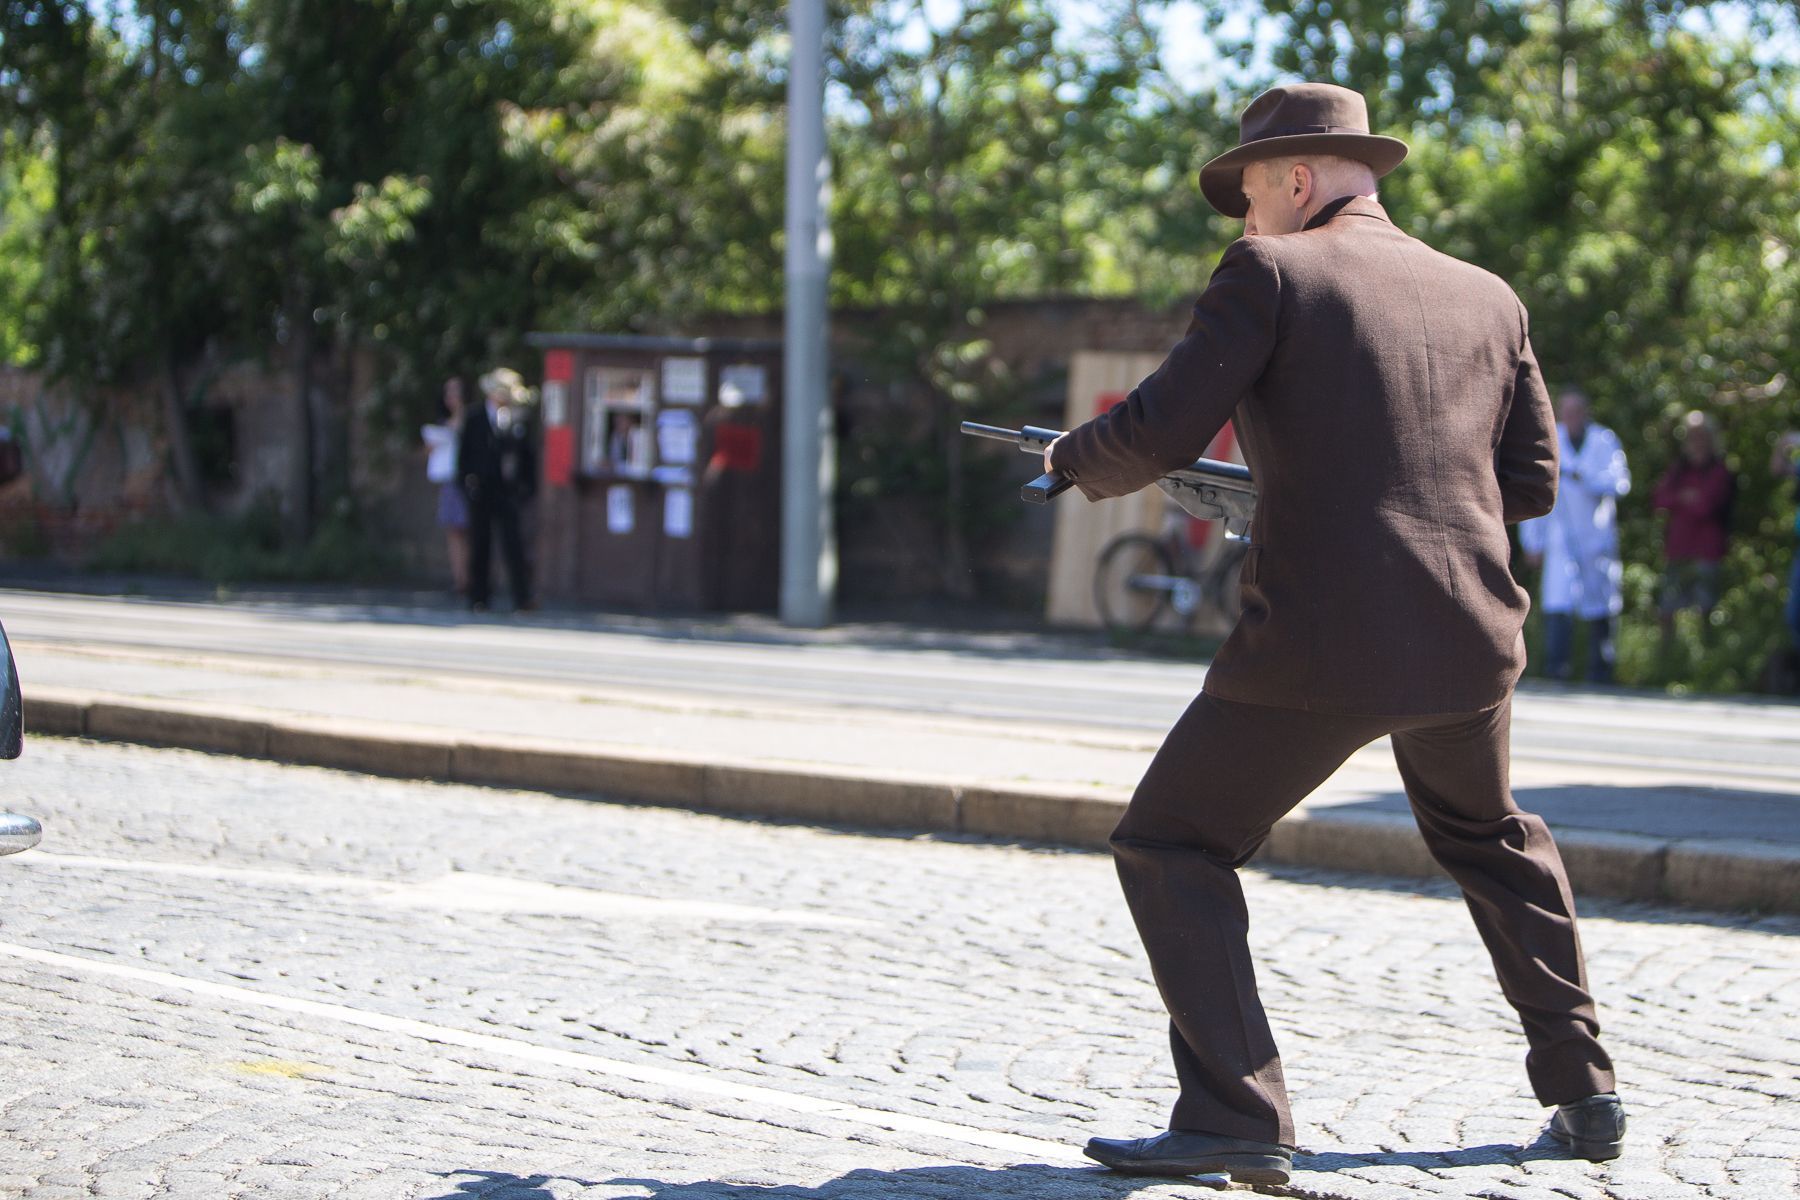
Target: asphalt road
227	978
1056	681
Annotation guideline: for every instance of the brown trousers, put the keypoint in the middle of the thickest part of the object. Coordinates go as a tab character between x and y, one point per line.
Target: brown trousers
1226	773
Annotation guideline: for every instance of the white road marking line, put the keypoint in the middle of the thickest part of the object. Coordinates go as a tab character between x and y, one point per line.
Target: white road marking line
210	871
469	891
688	1082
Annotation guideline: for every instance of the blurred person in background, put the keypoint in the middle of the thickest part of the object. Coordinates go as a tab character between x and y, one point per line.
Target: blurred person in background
1786	462
452	502
1697	493
1577	542
499	474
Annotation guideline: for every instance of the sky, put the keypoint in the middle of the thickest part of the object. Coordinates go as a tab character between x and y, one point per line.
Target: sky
1187	53
1189	57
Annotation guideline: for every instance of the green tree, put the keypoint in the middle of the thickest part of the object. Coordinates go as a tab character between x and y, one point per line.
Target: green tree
130	129
326	175
977	160
24	204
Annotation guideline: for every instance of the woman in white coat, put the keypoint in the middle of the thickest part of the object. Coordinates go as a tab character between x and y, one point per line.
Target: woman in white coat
1577	542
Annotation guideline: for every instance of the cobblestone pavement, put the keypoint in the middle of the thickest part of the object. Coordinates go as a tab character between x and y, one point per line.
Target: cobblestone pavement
224	978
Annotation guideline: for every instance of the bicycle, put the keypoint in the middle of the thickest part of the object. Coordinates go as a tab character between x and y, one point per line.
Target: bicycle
1139	576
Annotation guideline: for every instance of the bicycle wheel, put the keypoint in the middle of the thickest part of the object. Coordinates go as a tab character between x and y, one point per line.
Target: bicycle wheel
1222	582
1131	586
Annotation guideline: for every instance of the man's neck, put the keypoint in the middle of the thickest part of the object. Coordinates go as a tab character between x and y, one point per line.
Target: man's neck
1331	208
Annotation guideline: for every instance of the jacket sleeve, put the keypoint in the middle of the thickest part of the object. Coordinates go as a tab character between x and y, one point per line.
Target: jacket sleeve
1525	459
1171	417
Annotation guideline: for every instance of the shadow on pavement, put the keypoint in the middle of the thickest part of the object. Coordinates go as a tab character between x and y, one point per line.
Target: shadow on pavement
1672	811
503	1185
1646	912
1037	1181
1495	1154
938	1183
972	631
1311	1173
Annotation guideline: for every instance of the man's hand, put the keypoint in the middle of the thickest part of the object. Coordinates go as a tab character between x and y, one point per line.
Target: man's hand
1048	451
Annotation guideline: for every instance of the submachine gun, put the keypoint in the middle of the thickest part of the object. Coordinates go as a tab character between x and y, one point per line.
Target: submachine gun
1206	488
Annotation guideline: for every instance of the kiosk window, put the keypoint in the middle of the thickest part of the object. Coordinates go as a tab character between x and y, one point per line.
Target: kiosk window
616	432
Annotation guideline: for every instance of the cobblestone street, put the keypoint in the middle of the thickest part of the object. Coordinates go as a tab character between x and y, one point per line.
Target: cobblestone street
227	978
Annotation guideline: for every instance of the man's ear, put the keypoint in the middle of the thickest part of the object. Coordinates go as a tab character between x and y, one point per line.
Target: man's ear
1300	179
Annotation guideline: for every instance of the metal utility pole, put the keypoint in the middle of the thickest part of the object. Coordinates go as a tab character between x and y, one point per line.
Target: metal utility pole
808	542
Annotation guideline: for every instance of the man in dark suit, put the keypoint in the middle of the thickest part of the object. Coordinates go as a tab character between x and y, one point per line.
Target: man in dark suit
1389	404
499	473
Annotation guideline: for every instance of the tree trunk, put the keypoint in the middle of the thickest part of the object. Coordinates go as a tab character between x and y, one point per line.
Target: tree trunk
331	417
959	578
1565	87
190	489
298	504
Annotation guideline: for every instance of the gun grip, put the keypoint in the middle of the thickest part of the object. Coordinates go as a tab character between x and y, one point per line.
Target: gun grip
1045	488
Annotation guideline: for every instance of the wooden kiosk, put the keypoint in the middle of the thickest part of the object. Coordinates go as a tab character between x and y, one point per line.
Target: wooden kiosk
661	472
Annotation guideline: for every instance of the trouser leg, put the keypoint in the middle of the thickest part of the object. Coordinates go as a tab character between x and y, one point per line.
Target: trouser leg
481	550
1224	775
512	545
1505	861
1601	653
1559	643
1792	609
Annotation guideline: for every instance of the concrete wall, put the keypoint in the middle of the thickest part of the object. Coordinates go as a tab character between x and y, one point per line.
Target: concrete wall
96	461
90	464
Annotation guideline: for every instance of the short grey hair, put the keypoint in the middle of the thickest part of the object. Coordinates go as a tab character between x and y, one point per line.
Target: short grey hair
1325	166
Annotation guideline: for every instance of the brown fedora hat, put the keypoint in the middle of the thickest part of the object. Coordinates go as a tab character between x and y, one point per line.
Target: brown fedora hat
1296	120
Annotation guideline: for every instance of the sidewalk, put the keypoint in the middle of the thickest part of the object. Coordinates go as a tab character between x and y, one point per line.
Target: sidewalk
1719	836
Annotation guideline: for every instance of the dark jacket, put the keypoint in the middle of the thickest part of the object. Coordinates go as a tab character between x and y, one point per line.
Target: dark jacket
497	466
1390	408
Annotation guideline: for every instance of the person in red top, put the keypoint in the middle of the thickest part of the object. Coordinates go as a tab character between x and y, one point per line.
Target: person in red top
1696	493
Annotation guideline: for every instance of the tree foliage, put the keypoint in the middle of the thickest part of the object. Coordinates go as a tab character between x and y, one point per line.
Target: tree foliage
186	181
231	176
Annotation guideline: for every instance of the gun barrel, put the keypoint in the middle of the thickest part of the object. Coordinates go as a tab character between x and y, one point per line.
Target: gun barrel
1224	472
991	431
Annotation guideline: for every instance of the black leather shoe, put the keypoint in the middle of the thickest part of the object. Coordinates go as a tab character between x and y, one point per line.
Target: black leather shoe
1178	1152
1592	1128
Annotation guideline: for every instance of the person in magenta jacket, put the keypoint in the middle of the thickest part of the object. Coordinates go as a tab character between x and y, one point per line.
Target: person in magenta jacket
1696	493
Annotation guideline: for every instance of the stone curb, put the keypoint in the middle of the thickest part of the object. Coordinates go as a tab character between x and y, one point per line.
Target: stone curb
1701	873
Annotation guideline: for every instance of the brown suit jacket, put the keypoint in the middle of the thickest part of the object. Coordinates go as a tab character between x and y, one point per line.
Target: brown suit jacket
1391	410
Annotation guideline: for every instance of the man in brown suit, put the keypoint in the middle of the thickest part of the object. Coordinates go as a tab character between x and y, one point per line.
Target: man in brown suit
1391	410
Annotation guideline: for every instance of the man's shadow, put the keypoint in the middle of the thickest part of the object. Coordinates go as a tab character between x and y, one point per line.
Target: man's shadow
504	1185
1027	1180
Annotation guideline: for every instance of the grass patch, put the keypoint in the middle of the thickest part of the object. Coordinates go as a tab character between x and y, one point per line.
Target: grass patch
248	548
